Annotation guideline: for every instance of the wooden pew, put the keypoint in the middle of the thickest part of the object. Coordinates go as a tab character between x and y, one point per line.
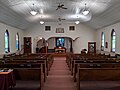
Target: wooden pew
25	72
28	63
34	58
85	57
47	57
94	64
97	74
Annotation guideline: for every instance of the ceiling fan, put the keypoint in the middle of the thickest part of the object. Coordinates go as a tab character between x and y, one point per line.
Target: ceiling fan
60	19
61	6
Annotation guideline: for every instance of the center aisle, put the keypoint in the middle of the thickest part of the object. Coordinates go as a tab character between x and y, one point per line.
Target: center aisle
59	77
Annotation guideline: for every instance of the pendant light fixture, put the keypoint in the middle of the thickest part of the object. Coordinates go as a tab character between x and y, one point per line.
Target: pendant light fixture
41	21
85	11
77	22
33	11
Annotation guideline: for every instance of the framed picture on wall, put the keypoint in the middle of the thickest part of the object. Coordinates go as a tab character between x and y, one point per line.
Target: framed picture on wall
59	30
91	47
47	28
71	28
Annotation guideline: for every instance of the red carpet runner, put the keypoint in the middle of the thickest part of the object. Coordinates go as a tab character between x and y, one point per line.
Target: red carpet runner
59	77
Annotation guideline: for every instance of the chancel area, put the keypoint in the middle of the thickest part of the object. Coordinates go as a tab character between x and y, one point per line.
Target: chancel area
59	45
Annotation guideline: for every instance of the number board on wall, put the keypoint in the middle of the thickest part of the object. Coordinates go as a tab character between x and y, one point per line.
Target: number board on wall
71	28
47	28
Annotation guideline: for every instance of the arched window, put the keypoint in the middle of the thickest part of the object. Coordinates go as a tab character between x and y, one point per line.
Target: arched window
102	41
113	40
7	49
17	41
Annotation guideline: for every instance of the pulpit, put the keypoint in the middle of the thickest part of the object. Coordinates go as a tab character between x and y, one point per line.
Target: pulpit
60	49
6	79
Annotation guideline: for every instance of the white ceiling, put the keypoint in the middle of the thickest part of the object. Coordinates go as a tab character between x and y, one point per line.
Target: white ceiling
17	12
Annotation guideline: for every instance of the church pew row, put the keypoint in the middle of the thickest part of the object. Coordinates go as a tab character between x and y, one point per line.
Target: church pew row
25	63
90	56
32	58
29	55
98	60
48	58
29	64
29	61
26	72
94	64
78	56
72	64
97	74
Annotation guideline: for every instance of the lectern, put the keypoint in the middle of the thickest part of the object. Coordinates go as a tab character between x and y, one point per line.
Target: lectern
60	49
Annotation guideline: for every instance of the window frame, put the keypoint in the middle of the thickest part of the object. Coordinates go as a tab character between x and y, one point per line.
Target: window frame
102	41
112	39
17	44
8	49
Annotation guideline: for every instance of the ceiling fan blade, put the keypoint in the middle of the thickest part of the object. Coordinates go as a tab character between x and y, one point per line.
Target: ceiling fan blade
63	7
57	8
63	19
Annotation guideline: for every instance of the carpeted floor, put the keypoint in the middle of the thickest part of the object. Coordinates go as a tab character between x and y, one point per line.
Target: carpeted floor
59	77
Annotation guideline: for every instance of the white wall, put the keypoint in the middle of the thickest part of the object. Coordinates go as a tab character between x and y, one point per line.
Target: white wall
12	33
107	31
84	33
51	43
